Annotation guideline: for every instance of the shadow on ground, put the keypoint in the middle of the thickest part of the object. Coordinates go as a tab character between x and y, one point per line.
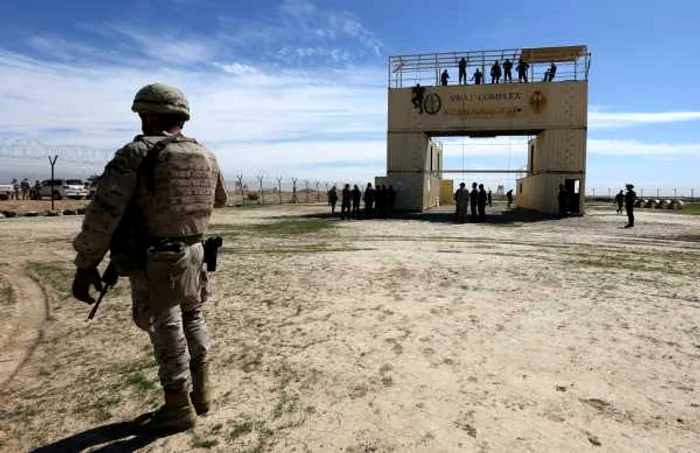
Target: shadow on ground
505	217
115	437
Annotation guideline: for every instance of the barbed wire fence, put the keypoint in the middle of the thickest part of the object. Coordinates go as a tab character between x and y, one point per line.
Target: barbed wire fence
660	193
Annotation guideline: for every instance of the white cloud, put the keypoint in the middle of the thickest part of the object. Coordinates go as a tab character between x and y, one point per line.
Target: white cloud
607	120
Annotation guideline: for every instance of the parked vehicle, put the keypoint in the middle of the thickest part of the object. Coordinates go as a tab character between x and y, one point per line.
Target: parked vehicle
6	191
64	188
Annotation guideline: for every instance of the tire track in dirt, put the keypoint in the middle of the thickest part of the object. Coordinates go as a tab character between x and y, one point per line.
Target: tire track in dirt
29	329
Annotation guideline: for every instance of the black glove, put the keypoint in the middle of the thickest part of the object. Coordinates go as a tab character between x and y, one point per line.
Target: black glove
84	278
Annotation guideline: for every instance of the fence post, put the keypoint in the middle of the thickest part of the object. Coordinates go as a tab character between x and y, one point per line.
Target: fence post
306	183
294	191
657	192
279	188
262	192
318	194
239	181
692	194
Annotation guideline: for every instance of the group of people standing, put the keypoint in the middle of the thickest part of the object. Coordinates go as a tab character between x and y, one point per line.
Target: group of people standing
22	187
379	202
497	71
477	200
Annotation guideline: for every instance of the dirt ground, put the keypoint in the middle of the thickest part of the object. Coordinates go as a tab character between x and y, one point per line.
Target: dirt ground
523	334
24	206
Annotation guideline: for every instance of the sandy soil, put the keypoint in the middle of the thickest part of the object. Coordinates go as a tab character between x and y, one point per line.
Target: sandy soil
413	335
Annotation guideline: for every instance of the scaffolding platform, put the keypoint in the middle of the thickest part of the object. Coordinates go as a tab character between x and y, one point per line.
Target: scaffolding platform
573	64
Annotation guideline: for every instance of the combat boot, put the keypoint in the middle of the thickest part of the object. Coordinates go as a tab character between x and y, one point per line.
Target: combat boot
174	416
201	394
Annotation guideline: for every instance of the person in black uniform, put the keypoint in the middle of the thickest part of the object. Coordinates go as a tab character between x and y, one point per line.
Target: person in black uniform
478	77
418	92
356	196
391	199
620	201
333	199
550	73
507	68
444	77
490	198
509	196
474	201
563	202
522	70
630	198
496	72
379	201
483	198
463	71
345	202
369	201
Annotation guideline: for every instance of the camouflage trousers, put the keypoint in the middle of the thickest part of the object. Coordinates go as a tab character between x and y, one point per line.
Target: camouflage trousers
178	334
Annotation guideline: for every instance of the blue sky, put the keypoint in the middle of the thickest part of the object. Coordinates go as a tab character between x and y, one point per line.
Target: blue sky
298	87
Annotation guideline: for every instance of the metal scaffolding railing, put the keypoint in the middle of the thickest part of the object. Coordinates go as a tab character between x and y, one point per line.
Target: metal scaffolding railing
572	63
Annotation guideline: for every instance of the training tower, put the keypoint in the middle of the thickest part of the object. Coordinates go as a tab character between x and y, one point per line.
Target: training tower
553	112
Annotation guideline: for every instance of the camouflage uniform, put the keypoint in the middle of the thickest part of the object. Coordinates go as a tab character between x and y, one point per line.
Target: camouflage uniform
187	184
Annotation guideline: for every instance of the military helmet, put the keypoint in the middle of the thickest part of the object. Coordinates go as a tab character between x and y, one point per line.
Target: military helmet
161	98
630	186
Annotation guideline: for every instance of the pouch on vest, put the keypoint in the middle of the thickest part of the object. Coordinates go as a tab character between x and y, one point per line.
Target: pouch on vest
173	273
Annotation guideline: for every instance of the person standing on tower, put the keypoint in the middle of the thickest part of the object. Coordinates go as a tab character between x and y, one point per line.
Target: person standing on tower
496	72
522	70
417	94
444	77
463	71
478	77
507	68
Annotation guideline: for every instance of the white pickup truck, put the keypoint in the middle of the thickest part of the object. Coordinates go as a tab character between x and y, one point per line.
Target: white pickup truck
5	191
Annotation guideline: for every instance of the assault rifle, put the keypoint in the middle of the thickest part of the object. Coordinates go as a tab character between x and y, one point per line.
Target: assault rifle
109	279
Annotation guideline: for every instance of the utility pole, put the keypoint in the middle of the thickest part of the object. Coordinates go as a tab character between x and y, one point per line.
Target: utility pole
52	161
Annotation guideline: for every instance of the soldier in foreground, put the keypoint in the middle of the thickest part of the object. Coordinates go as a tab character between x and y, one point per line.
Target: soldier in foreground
150	209
630	199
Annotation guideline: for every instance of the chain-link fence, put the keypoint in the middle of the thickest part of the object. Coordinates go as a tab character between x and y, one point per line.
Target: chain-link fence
266	190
